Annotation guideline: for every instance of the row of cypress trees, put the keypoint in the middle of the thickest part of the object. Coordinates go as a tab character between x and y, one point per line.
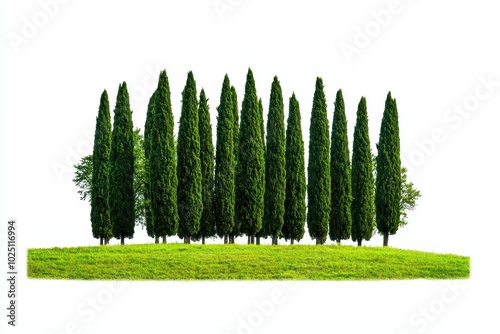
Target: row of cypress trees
257	185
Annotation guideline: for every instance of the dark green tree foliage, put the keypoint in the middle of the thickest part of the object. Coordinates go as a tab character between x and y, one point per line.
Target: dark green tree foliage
121	176
318	169
224	194
274	198
340	169
250	168
207	222
236	228
162	162
262	233
236	122
99	213
363	186
388	181
261	115
147	149
189	189
295	200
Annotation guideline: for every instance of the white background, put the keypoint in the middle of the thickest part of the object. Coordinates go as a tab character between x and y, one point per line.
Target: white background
435	57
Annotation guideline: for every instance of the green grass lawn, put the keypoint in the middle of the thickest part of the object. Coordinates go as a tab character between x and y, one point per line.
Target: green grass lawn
242	262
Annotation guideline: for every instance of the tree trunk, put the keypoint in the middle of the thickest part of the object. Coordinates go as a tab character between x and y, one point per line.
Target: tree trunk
291	241
157	239
188	240
202	240
106	241
122	242
386	239
164	239
226	239
318	241
275	240
100	242
231	239
249	240
338	242
252	239
359	242
257	240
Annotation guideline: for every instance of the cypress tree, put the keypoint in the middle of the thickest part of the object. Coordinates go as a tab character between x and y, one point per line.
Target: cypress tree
236	122
362	178
189	189
261	121
262	233
340	169
121	176
224	195
99	213
250	168
295	200
147	149
388	181
162	163
236	229
275	184
207	222
318	169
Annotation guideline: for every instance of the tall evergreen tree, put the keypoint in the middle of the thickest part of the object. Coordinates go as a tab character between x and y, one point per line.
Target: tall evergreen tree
236	228
250	168
275	184
207	222
236	122
262	233
261	121
295	200
224	194
362	207
318	169
340	169
189	189
147	149
99	213
162	163
388	181
121	176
